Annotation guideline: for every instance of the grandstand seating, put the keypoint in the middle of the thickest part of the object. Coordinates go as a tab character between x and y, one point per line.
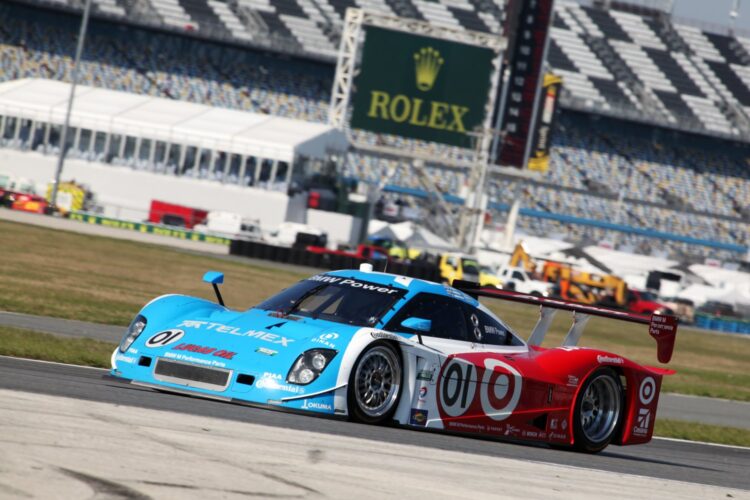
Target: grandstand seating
698	191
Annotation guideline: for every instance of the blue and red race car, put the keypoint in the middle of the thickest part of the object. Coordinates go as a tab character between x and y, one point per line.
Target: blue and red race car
382	348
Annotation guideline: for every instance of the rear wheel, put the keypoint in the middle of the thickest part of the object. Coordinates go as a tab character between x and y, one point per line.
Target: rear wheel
598	411
375	384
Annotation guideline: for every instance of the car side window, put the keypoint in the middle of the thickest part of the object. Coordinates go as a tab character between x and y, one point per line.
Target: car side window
487	330
517	275
445	313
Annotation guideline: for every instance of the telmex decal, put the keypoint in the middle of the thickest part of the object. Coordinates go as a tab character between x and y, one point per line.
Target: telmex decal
231	330
354	284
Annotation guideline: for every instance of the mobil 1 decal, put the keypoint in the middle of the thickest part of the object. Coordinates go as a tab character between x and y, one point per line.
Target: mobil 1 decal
487	388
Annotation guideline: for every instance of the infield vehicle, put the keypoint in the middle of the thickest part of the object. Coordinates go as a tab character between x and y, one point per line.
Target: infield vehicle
380	348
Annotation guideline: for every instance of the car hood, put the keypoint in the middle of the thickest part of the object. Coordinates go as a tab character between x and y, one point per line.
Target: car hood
254	338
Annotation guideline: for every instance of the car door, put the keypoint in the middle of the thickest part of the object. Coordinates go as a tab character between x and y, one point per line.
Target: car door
449	332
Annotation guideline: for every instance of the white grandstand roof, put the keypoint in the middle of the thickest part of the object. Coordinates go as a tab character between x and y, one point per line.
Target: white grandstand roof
181	122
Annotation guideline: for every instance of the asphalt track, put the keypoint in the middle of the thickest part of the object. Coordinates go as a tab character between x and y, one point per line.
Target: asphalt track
662	459
672	406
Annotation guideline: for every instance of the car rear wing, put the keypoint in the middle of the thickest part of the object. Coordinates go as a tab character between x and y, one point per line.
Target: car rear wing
663	328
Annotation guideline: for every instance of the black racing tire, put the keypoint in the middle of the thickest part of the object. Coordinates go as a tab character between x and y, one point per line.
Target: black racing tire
598	411
375	384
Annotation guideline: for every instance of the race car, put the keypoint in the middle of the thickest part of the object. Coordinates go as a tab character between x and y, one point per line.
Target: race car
380	348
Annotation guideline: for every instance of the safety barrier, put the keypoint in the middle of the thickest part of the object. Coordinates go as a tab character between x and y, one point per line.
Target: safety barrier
722	324
302	257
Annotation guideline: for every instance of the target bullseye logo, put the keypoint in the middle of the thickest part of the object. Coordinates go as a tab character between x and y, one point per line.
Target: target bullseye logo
499	389
647	391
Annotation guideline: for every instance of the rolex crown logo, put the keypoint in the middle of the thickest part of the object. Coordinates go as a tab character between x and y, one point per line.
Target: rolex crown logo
427	64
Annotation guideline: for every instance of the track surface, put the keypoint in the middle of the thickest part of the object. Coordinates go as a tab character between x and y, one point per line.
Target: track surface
683	461
672	406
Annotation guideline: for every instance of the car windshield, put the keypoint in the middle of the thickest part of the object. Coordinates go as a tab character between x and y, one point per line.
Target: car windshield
470	266
343	300
648	296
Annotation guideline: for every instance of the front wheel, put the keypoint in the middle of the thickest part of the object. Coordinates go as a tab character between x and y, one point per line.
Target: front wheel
598	411
375	384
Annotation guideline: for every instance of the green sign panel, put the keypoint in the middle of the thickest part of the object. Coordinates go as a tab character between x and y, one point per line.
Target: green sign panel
421	87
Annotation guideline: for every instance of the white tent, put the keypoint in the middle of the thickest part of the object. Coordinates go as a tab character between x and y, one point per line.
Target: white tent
171	121
413	235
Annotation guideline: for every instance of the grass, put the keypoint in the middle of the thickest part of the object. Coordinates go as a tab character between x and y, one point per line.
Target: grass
702	432
34	345
73	276
91	278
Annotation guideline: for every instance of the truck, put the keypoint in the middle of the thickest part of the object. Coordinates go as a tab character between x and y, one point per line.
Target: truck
517	279
230	225
457	266
172	214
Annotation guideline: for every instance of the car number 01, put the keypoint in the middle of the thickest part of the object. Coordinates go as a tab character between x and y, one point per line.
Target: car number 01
164	338
499	393
457	389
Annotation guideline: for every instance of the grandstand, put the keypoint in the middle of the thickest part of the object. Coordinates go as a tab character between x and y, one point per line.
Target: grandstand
638	88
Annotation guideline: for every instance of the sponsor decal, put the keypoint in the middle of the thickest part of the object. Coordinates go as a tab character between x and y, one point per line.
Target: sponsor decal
132	350
475	325
315	405
572	381
199	349
125	359
643	420
418	417
499	390
553	424
510	430
326	339
647	391
425	375
386	336
422	394
458	294
274	381
231	330
564	425
355	284
266	351
554	435
164	338
192	359
610	359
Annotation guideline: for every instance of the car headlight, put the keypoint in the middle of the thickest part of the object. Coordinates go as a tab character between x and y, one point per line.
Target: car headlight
136	327
309	365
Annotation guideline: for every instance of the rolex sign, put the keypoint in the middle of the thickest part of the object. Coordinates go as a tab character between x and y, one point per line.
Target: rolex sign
420	87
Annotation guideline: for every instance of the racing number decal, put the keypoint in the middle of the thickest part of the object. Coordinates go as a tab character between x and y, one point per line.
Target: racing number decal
164	338
499	392
457	388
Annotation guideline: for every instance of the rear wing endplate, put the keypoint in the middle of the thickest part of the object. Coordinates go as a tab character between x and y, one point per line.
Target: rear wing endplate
662	328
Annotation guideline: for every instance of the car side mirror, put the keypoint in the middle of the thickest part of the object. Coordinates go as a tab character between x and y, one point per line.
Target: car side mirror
418	324
215	278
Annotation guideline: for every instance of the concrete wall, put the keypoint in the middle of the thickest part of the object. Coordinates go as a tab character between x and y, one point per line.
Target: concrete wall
341	228
127	193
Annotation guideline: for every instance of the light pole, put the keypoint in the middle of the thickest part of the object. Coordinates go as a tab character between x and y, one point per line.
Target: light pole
64	134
